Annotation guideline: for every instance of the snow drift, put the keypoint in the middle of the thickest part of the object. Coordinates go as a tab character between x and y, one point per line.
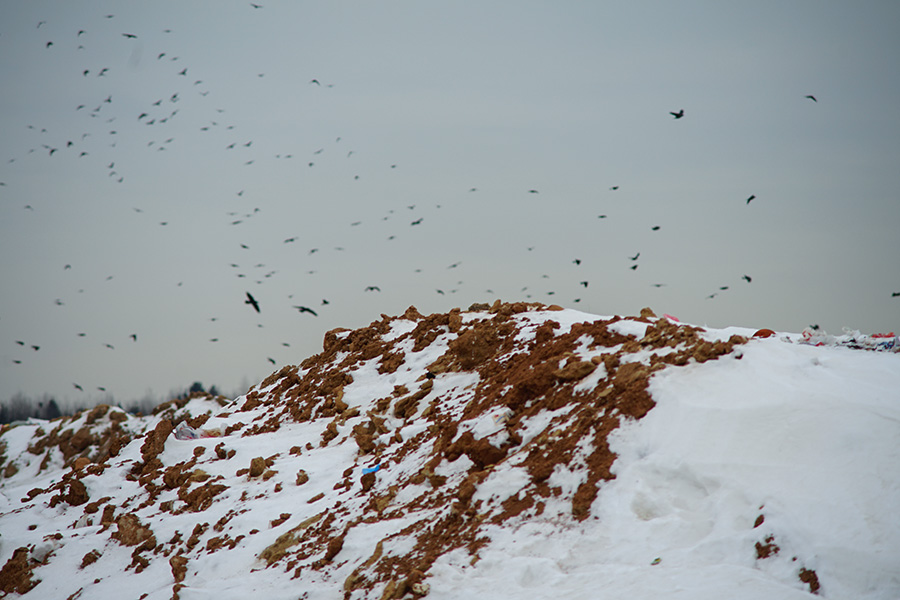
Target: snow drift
507	451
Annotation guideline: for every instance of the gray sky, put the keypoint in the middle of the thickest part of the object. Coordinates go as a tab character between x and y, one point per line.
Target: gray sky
417	103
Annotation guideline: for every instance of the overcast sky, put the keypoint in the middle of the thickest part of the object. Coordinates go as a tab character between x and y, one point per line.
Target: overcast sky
150	182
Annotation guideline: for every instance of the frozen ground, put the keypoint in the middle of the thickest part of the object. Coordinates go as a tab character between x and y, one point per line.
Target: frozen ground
511	451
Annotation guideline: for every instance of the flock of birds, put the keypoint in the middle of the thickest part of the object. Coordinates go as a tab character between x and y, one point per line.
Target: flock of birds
164	112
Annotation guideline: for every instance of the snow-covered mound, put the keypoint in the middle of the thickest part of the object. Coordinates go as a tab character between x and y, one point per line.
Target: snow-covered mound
507	451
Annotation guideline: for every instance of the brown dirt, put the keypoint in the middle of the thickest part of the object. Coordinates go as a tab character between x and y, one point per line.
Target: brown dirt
16	574
519	377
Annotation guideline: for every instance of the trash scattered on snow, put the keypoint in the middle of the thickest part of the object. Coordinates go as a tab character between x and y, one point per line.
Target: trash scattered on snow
879	342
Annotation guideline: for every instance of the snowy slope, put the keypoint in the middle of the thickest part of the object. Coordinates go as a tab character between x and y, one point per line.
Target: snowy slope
507	451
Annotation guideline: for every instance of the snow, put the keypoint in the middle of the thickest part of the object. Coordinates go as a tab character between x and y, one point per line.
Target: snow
774	443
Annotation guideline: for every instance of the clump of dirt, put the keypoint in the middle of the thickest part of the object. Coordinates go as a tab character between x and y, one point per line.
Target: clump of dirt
809	577
16	574
131	531
767	548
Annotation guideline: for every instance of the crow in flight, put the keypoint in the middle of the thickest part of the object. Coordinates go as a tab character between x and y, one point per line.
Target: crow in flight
747	278
252	302
813	98
635	257
373	288
750	198
304	309
677	115
130	36
614	188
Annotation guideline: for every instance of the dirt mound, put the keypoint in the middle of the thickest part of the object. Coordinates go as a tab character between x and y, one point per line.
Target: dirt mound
426	419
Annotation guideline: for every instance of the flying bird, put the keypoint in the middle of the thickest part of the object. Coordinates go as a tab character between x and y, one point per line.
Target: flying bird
78	387
252	302
130	36
256	5
895	294
813	98
747	278
584	283
677	115
315	81
416	222
306	309
577	261
614	188
655	228
373	288
635	257
750	198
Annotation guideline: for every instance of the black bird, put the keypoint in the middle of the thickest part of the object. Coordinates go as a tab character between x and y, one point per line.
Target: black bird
78	387
895	294
584	283
130	36
655	228
252	302
256	5
813	98
614	188
633	267
635	257
315	81
416	222
750	198
325	302
272	360
577	261
677	115
133	336
532	191
304	309
747	278
373	288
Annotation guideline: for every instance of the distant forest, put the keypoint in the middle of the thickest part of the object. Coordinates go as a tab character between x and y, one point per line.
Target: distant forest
21	408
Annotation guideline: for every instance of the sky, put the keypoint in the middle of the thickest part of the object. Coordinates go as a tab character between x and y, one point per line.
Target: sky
444	154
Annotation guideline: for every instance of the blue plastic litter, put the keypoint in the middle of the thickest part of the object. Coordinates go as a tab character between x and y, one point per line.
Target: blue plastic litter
371	469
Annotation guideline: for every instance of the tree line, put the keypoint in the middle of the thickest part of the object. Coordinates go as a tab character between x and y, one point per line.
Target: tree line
20	407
